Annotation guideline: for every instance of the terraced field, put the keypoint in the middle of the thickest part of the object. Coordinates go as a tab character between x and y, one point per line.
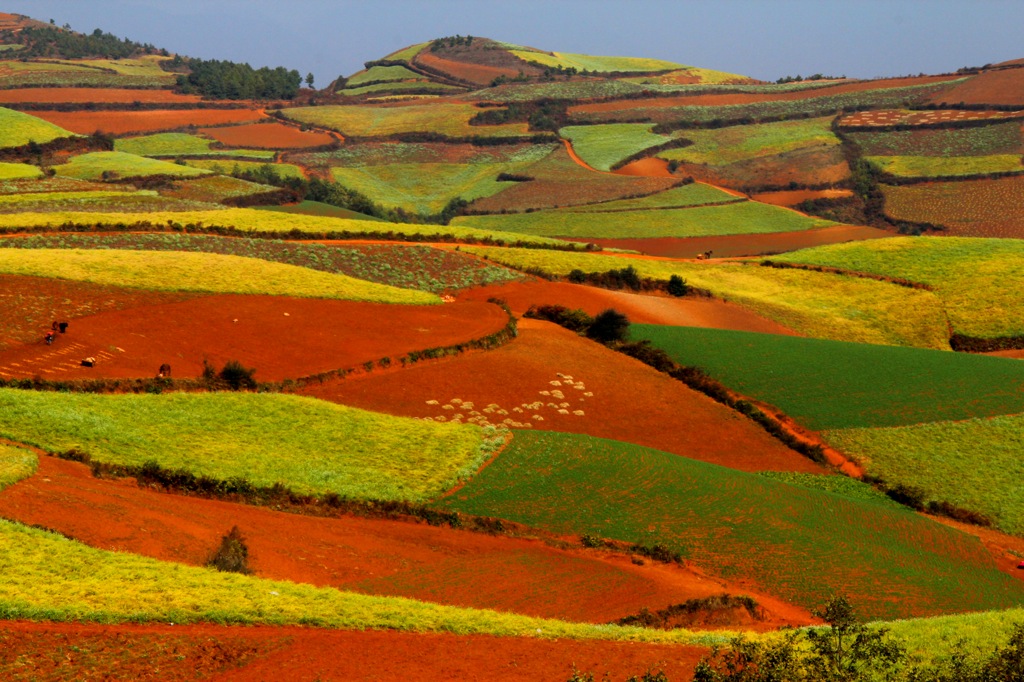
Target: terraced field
733	523
833	385
976	279
450	119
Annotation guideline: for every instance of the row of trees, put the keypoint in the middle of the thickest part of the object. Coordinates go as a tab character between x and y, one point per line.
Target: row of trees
46	41
230	80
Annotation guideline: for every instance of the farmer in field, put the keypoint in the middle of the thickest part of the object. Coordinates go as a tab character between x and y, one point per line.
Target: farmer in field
50	336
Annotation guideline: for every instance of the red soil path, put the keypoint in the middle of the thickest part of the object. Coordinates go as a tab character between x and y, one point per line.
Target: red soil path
124	122
268	136
242	654
730	246
101	95
281	337
373	556
746	98
627	401
794	197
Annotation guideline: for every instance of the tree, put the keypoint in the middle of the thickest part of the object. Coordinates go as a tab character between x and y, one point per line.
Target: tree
847	650
609	326
309	79
677	286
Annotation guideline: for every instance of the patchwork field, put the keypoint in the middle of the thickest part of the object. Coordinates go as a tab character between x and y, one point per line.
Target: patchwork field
971	208
997	138
98	95
448	118
739	524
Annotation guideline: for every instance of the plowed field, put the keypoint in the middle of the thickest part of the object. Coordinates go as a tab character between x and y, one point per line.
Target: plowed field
58	651
98	95
619	398
124	122
372	556
267	136
1004	87
280	337
481	74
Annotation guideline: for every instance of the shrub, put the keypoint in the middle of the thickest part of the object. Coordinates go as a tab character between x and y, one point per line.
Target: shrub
237	376
609	326
232	555
676	286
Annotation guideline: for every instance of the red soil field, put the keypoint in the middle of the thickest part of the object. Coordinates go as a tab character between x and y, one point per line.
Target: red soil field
816	165
373	556
796	196
890	117
1005	87
747	98
101	95
124	122
627	400
651	167
242	654
268	136
731	246
281	337
480	74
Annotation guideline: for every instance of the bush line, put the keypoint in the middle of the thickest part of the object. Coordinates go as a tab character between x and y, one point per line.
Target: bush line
898	281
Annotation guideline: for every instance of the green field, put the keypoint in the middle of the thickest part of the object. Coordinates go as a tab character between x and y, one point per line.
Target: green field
747	217
976	279
693	194
229	167
951	166
15	464
801	544
48	577
390	153
400	86
171	271
410	267
425	188
216	189
310	446
17	129
27	74
834	385
449	119
995	138
181	144
734	144
602	146
974	464
810	303
316	208
141	203
247	219
382	74
585	62
406	53
15	171
103	165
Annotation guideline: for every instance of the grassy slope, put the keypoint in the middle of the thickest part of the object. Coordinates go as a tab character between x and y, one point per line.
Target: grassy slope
93	165
798	543
811	303
259	221
602	146
831	385
974	464
308	445
14	171
978	280
165	271
747	217
181	144
15	464
740	143
693	194
601	64
17	128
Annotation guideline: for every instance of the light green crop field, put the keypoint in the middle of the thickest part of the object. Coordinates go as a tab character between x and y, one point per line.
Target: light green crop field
425	187
585	62
16	171
449	119
44	576
947	166
978	280
248	219
702	76
15	464
93	165
602	146
832	385
745	217
228	167
733	144
406	53
399	86
17	128
181	144
974	464
309	445
165	271
379	74
810	303
994	138
741	525
147	66
693	194
937	637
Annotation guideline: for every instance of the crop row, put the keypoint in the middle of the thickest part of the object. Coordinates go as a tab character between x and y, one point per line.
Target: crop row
970	208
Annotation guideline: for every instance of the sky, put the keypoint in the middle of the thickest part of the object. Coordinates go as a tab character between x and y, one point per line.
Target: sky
764	39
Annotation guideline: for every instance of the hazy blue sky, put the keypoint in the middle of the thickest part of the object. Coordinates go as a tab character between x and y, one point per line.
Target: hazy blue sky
765	39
